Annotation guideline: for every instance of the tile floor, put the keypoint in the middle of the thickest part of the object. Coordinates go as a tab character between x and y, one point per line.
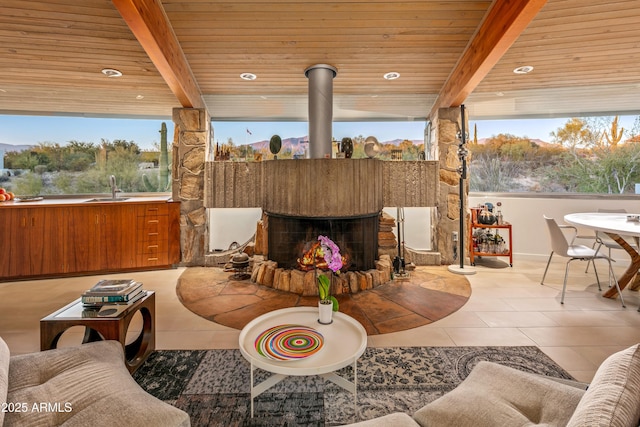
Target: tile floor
508	306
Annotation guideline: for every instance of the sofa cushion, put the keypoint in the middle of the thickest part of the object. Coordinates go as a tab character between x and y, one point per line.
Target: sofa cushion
495	395
613	398
82	386
4	376
397	419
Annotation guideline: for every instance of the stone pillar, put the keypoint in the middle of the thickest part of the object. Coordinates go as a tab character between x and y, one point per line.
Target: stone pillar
192	137
446	126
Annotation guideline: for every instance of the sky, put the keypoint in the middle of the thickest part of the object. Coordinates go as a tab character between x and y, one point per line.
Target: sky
31	130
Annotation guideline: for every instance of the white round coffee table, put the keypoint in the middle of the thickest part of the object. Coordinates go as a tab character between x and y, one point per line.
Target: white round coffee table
344	342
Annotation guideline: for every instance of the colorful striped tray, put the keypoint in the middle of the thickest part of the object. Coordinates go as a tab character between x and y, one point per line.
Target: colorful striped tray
289	342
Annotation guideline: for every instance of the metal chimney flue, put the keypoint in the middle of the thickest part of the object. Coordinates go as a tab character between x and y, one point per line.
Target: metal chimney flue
320	109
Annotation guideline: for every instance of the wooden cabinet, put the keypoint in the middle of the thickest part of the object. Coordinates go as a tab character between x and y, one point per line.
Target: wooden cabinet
31	244
82	240
46	241
88	238
152	246
118	236
155	224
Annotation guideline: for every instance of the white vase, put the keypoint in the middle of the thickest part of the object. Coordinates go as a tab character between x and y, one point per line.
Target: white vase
325	312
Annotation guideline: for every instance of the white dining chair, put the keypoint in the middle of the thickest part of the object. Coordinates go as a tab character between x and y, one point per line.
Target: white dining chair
567	249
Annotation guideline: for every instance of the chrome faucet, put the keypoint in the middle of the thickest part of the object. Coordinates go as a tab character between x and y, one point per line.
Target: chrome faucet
114	187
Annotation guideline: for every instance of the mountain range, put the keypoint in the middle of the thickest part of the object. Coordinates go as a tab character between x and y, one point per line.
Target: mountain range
297	144
10	147
539	142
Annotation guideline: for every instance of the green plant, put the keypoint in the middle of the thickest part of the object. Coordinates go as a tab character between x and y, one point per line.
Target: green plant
324	289
613	136
163	183
29	184
164	157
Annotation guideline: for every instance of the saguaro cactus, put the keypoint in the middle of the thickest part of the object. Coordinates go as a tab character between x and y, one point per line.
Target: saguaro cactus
164	157
163	182
614	136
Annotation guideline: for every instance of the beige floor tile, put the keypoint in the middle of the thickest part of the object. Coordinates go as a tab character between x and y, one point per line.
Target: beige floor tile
183	319
22	342
488	336
597	354
197	340
486	304
542	304
595	302
587	318
583	336
460	319
630	315
570	358
501	319
417	337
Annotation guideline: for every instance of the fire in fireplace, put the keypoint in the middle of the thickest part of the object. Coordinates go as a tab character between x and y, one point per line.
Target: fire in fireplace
311	258
291	240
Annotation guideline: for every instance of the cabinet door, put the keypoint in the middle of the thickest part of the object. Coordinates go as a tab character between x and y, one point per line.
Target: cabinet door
11	239
118	237
46	240
24	259
82	244
33	242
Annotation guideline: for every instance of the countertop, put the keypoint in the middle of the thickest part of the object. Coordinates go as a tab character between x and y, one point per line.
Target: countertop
83	201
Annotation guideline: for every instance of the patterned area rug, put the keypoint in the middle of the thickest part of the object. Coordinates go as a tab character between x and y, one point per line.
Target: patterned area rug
213	385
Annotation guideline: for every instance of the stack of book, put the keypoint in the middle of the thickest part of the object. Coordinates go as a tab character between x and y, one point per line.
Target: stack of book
113	291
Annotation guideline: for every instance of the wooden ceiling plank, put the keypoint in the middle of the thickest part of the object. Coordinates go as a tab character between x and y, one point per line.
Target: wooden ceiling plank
350	7
504	22
150	25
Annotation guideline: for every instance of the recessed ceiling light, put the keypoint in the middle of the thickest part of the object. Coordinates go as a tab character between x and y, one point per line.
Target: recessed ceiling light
391	76
248	76
110	72
140	97
525	69
499	94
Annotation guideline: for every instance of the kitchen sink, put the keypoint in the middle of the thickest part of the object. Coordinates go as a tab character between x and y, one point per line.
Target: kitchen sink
107	199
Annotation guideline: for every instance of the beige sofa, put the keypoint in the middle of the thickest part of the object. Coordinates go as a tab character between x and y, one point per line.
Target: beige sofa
83	386
494	395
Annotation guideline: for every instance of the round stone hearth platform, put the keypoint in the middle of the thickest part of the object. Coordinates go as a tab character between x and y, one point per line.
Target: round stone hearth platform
429	294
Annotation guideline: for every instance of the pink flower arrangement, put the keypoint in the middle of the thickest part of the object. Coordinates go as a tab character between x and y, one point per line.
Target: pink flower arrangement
331	253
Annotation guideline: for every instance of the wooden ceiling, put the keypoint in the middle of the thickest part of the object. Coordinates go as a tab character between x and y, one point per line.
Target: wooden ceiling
173	53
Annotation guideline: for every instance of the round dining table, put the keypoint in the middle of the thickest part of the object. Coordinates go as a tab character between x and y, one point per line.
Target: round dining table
615	225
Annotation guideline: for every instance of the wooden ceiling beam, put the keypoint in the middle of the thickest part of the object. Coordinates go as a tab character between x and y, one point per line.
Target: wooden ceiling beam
149	23
500	28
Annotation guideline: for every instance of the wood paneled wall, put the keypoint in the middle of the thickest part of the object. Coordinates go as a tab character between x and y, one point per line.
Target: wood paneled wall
321	187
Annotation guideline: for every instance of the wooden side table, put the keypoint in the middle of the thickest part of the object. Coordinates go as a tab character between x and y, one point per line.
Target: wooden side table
105	328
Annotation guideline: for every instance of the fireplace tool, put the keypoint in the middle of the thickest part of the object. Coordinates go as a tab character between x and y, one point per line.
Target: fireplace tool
398	261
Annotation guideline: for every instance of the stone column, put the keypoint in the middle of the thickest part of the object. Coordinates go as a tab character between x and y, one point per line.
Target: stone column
446	127
192	137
